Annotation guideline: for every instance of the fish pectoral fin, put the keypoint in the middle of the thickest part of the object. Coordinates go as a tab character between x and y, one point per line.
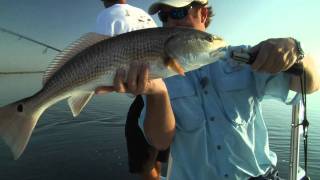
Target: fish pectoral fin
175	66
77	102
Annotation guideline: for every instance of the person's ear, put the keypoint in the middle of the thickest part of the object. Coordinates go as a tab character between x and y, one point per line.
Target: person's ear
204	14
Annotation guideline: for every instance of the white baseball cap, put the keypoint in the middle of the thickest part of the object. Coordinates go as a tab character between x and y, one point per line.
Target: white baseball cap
155	7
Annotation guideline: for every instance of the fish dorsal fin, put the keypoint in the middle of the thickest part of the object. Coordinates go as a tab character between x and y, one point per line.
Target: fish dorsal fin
73	49
78	102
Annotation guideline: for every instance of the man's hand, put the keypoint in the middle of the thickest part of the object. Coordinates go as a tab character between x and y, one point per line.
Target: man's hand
274	55
159	123
137	81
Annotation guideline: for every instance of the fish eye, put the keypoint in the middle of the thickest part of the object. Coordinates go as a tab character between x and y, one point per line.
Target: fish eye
210	38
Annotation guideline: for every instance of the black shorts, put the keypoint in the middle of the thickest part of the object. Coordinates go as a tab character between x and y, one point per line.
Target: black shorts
141	155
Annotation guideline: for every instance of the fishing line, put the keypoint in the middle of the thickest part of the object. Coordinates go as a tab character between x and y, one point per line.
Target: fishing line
305	122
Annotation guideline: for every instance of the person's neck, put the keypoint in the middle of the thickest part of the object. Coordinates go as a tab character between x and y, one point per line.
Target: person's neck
122	2
111	4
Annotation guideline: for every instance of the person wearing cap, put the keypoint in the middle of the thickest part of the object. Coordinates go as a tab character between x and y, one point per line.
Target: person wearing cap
211	117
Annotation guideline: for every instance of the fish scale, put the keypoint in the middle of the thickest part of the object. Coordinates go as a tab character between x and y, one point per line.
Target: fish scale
92	61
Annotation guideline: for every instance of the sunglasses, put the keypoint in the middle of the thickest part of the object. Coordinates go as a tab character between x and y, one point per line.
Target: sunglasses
178	13
175	13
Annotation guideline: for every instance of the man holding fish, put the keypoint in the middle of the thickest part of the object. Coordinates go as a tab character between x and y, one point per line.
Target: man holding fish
211	117
116	18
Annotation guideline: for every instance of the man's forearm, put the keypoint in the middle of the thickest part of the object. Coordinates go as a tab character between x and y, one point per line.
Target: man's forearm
159	124
312	77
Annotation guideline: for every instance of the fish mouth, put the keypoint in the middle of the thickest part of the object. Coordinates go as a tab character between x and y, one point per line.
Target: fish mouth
218	53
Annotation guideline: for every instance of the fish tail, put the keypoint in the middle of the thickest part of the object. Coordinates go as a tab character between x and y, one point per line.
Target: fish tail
17	121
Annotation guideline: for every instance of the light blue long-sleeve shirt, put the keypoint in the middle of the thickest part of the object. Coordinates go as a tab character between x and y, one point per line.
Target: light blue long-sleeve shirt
220	131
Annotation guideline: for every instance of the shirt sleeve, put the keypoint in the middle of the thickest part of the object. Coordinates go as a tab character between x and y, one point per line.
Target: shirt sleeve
271	86
276	87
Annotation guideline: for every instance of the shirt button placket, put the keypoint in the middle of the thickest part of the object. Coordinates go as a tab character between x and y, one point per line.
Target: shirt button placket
204	82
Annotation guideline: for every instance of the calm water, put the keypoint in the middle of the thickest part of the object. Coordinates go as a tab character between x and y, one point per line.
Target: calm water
92	146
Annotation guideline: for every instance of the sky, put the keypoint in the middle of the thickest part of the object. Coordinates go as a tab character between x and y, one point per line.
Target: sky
61	22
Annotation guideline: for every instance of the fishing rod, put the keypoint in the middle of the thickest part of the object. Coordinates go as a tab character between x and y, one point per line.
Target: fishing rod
30	39
299	112
47	46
